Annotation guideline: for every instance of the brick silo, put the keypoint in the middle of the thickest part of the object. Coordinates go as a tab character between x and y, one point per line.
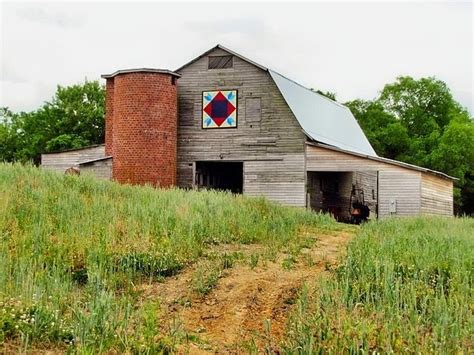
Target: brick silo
141	126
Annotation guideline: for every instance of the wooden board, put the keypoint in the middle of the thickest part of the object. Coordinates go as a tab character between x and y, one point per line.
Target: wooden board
436	195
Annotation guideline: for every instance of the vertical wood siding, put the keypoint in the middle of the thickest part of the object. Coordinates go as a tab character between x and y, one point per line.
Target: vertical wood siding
272	147
401	185
436	195
64	160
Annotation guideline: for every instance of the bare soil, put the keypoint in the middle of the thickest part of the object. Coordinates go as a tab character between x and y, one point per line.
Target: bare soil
247	305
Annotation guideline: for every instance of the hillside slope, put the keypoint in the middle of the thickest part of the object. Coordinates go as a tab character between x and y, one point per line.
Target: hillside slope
76	255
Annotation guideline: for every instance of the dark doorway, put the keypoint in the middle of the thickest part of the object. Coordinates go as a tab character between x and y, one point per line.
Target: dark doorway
220	175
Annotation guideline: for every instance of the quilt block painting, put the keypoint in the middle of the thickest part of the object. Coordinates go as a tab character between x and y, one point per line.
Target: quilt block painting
219	109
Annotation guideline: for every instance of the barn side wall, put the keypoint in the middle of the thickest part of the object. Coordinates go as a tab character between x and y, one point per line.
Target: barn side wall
101	169
396	183
436	195
63	160
268	141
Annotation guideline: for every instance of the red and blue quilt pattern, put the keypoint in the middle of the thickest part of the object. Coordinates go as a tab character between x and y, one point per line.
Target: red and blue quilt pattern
219	109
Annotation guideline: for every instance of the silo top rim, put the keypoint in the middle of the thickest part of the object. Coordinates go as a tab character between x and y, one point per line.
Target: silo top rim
140	70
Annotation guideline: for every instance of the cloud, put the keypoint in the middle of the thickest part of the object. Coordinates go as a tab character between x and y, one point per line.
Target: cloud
10	74
352	49
54	18
248	26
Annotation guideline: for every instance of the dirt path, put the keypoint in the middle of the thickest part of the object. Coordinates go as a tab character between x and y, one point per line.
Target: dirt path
247	303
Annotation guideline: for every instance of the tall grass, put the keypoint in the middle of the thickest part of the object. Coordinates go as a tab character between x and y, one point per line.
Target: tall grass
405	286
72	250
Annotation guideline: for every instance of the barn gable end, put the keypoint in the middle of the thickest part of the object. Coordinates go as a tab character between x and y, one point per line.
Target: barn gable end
268	139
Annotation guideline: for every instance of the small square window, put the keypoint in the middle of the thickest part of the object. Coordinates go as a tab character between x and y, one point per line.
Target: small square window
221	62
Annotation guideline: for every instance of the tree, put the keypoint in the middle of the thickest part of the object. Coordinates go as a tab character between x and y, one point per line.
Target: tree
328	94
388	136
73	119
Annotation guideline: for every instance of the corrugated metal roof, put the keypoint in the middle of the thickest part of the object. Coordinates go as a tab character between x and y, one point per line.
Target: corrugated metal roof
323	119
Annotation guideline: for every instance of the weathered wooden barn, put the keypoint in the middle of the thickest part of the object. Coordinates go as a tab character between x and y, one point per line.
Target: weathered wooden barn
223	121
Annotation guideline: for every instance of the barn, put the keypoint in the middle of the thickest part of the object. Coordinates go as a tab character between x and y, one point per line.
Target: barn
222	121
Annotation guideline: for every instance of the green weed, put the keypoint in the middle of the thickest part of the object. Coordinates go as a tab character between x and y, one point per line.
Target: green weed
84	246
406	286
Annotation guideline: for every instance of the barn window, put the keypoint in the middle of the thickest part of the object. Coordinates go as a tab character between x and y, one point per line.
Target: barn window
253	109
221	62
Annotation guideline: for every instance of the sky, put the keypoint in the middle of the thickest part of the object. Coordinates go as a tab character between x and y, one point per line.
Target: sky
350	48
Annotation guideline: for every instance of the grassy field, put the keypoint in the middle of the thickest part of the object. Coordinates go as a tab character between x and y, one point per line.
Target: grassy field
77	257
405	286
73	249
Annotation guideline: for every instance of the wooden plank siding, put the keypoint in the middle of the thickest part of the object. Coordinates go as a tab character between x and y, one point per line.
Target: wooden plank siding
436	195
101	169
404	185
63	160
367	181
271	145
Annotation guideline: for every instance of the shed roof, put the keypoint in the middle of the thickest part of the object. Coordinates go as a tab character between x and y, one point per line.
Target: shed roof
90	161
74	149
385	160
322	119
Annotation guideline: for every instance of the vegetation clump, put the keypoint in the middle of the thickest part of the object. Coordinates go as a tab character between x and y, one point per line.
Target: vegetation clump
406	285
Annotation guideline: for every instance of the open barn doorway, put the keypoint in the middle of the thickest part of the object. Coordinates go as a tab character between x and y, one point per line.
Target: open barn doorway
349	196
228	176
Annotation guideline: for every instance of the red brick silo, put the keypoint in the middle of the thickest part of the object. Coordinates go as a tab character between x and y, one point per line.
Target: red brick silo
141	126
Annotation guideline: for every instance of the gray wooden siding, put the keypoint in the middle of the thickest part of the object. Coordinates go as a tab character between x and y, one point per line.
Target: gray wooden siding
101	169
395	183
271	148
401	186
367	180
64	160
436	195
280	180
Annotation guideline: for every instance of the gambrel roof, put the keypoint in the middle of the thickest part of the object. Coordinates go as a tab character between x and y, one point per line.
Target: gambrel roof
322	119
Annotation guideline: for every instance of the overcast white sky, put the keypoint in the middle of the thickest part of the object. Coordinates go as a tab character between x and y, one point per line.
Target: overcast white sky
352	48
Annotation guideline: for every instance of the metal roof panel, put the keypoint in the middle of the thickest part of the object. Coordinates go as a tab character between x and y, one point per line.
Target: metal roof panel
321	118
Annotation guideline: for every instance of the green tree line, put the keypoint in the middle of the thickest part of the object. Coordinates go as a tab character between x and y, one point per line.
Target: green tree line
74	118
415	121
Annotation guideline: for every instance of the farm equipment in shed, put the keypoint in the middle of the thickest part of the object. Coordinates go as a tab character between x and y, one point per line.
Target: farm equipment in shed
358	209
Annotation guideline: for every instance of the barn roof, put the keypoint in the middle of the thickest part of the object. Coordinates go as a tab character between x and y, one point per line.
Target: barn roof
322	119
